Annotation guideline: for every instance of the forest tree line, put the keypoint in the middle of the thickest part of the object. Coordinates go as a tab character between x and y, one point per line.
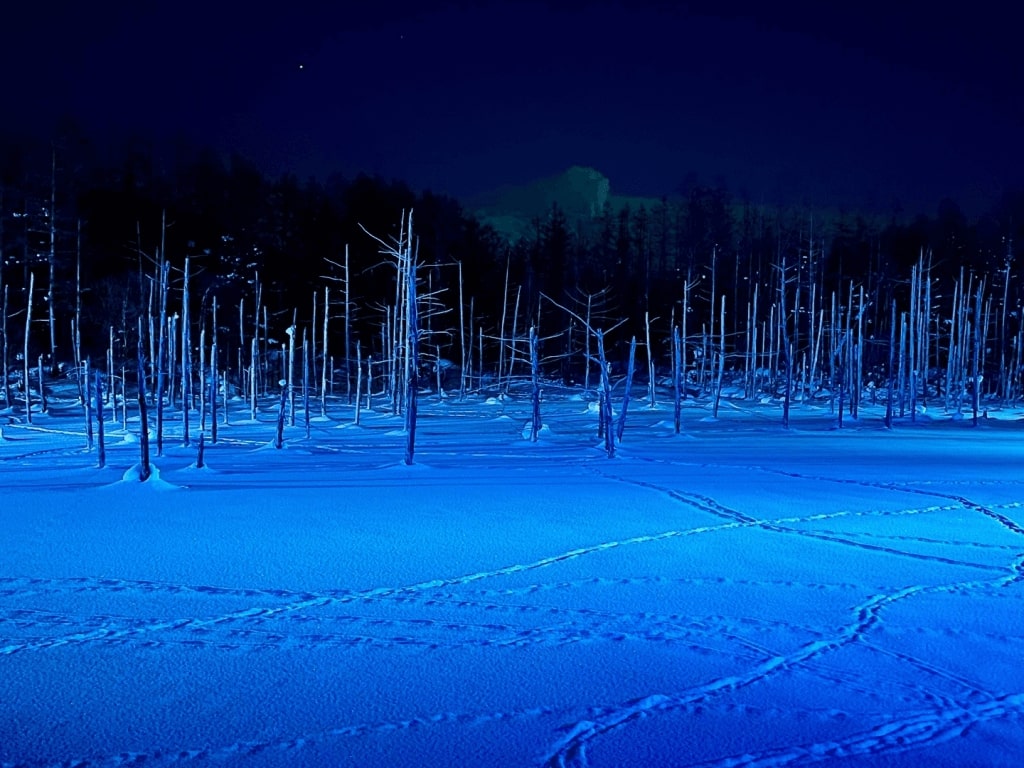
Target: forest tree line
762	291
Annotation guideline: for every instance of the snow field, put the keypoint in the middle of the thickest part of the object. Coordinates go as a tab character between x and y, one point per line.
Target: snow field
740	595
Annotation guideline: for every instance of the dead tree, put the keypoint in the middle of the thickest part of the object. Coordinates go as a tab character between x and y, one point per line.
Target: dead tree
144	467
621	425
405	355
186	357
535	421
26	358
101	453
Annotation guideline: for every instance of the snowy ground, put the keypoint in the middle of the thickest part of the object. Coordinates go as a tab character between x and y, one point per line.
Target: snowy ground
740	595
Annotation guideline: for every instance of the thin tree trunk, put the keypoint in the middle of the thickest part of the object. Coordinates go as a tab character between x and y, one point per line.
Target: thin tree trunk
892	362
326	366
621	426
652	403
44	406
721	360
975	357
279	435
161	354
202	378
359	381
305	382
606	399
512	353
252	379
412	364
87	403
903	364
677	383
26	358
501	329
6	370
348	327
535	420
214	381
144	468
186	357
50	296
291	368
101	454
76	337
462	341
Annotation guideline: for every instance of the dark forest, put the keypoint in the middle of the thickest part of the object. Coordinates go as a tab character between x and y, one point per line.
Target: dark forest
761	293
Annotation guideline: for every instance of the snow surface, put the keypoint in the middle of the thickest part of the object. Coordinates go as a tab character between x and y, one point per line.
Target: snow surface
740	595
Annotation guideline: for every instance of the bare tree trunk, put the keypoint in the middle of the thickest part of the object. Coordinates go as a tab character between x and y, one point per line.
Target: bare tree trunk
606	399
124	398
682	340
202	377
50	296
101	454
512	353
975	356
468	380
214	381
279	435
144	468
43	405
253	379
412	364
858	383
164	269
359	381
6	356
621	426
535	420
326	365
1004	377
85	374
902	366
951	357
254	360
173	345
463	359
292	330
586	342
111	393
348	328
677	383
438	372
6	386
892	362
914	334
76	336
650	363
26	358
785	343
311	376
305	382
721	360
501	329
186	357
243	380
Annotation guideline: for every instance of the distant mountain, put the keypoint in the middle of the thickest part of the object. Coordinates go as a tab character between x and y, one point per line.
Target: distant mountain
580	192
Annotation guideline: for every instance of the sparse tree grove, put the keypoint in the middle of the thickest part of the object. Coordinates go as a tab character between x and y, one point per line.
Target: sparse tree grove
731	301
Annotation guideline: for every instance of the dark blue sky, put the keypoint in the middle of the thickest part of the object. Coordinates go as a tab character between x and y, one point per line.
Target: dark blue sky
787	101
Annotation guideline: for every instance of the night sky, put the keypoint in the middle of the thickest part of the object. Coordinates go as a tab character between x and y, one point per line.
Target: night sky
850	107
